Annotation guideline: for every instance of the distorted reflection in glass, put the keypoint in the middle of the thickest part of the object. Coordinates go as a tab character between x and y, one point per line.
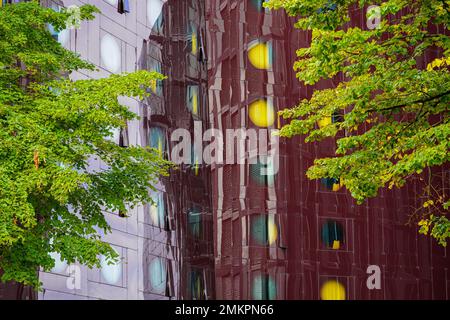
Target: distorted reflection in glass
258	4
192	98
264	230
196	160
195	222
332	290
332	235
156	85
193	38
158	209
111	273
263	171
157	139
264	288
334	118
262	113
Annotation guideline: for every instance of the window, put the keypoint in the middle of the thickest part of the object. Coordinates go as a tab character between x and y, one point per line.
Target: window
61	36
193	39
259	229
263	172
112	273
258	4
260	54
192	50
157	272
195	222
155	16
60	265
110	52
156	86
159	276
158	141
335	118
332	235
196	160
123	6
196	285
123	214
123	137
332	289
4	2
331	184
193	99
264	230
330	6
170	285
262	113
158	210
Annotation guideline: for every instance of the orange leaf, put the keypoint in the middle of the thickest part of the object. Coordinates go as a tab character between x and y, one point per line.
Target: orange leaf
36	159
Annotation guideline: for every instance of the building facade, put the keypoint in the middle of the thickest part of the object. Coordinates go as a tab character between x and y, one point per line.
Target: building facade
279	235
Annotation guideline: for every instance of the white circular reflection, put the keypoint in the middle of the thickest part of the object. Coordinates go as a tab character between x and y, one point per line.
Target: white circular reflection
154	8
111	272
63	37
110	53
114	136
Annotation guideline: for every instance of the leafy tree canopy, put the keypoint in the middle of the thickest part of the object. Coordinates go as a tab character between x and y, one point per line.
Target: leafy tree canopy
394	119
50	128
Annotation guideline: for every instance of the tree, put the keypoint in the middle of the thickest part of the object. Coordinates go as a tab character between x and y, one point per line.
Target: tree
393	115
50	128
